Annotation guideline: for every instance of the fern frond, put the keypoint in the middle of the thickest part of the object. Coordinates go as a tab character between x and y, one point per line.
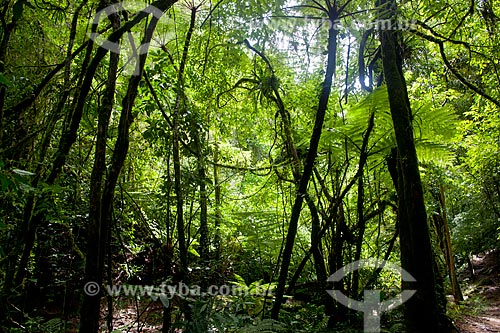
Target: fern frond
437	153
264	326
53	325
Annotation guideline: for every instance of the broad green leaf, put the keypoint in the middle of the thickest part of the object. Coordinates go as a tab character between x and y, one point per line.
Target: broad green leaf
23	172
6	182
4	81
239	278
193	251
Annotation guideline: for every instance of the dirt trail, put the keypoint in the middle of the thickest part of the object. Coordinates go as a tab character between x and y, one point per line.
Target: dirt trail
488	320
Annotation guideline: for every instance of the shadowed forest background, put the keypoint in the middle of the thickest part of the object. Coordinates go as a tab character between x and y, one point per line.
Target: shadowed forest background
254	144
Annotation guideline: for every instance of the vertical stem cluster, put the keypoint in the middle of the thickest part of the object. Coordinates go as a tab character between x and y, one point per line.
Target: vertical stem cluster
98	228
103	205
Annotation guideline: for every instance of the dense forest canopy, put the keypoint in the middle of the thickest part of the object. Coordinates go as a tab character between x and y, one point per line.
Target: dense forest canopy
257	144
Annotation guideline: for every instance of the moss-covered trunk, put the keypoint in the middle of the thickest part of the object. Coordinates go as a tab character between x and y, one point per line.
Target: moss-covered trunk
421	311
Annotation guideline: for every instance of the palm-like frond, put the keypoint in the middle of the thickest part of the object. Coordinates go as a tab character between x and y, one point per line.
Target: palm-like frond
434	128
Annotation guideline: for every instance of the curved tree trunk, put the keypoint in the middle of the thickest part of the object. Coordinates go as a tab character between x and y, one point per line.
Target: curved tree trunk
308	167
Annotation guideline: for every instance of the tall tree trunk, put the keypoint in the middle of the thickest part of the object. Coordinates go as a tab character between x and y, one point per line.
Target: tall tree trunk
360	207
181	236
308	166
421	311
94	265
316	244
98	228
318	257
202	181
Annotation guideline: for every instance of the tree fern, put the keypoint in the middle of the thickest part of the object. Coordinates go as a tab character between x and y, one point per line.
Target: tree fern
434	128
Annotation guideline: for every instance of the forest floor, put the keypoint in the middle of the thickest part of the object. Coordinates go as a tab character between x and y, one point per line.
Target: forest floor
479	313
484	314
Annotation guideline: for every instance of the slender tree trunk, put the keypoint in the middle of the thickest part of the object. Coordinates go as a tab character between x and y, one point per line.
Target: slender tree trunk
316	245
218	202
70	135
202	181
317	253
336	204
7	31
421	311
450	259
360	203
308	168
167	311
181	236
94	269
336	261
361	233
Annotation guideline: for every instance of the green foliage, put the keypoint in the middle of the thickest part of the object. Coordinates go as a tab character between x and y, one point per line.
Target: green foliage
305	318
4	81
473	305
231	130
264	326
39	325
254	297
